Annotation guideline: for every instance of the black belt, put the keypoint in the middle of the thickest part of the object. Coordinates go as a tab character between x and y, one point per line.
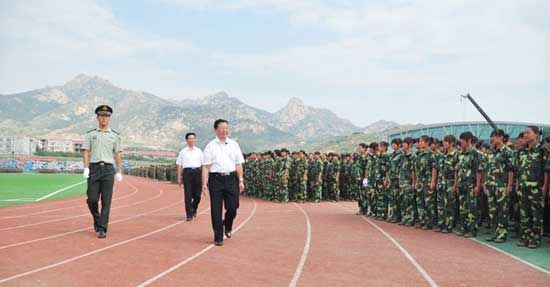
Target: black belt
191	168
223	173
100	163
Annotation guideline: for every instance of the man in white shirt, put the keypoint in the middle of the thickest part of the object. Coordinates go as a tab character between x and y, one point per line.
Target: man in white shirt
222	176
189	175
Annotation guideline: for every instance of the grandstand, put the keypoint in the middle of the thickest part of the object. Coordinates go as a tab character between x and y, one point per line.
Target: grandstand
480	129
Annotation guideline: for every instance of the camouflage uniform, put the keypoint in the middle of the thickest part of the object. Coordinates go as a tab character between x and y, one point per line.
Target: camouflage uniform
406	170
357	173
394	192
301	180
498	166
371	187
446	199
292	179
469	164
425	197
315	180
345	179
380	174
267	177
332	173
531	164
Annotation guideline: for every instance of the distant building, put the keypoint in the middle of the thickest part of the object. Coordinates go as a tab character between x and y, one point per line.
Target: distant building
17	146
482	130
58	145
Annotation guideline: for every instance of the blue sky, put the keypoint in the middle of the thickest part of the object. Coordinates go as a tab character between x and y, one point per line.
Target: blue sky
406	61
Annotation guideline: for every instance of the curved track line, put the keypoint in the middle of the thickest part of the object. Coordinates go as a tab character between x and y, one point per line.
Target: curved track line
300	267
80	215
418	267
94	252
87	228
196	255
69	207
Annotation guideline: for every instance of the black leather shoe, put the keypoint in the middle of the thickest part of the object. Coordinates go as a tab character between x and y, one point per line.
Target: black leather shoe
101	234
195	213
218	243
228	233
189	218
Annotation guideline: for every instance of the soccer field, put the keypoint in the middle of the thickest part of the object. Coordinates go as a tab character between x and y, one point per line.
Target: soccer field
25	188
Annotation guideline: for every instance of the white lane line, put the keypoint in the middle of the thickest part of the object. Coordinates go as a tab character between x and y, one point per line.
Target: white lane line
68	207
80	215
547	272
93	252
196	255
300	267
86	228
59	190
423	272
19	199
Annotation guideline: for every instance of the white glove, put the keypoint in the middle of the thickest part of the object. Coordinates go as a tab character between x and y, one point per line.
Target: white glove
365	182
86	173
118	177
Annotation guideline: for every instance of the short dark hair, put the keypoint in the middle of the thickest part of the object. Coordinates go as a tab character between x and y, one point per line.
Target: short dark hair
497	133
547	139
384	144
450	139
218	122
409	141
467	136
535	129
396	141
363	145
187	135
373	145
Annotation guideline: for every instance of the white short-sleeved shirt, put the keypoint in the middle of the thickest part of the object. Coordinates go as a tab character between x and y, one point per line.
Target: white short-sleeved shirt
190	158
222	157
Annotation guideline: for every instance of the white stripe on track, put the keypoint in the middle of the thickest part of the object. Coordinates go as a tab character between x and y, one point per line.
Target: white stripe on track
92	252
59	190
305	253
418	267
196	255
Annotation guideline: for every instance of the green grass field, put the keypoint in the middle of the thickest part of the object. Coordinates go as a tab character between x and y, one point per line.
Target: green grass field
25	188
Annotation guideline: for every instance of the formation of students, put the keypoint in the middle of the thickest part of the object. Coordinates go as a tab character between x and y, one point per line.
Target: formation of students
445	185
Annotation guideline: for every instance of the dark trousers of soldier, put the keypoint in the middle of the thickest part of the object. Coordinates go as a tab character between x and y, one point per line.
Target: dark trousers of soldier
192	186
531	206
100	185
224	192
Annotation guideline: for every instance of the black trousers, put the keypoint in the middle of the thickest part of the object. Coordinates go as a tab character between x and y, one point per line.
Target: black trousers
224	191
192	184
100	185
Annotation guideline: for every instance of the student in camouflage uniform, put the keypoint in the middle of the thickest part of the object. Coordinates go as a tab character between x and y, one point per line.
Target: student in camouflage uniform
371	178
532	166
446	190
359	168
293	177
394	192
468	178
267	176
406	182
315	178
382	166
500	177
277	180
326	159
345	177
301	177
333	175
426	174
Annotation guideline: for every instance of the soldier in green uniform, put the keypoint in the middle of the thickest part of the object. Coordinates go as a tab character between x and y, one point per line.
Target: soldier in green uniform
532	166
446	185
394	193
425	183
293	177
301	177
500	177
284	169
344	176
277	176
381	182
362	150
406	182
468	179
315	178
102	149
371	179
267	176
332	173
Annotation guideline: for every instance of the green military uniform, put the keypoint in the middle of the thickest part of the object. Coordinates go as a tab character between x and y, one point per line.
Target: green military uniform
267	176
277	179
405	184
499	164
469	164
332	173
394	192
425	197
301	180
381	172
446	199
102	146
531	165
371	187
284	169
344	179
315	180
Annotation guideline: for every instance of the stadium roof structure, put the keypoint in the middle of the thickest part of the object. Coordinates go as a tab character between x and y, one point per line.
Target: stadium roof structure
482	130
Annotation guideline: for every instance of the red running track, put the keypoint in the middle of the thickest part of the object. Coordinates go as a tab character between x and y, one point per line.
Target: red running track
149	244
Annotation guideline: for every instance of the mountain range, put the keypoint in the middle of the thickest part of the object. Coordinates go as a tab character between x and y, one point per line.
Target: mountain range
147	121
